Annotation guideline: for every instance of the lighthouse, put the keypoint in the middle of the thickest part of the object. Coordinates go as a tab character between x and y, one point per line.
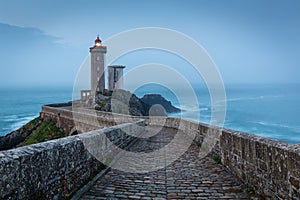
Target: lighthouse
115	73
97	66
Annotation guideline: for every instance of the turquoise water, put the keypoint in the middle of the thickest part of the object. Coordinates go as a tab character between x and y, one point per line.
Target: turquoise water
267	110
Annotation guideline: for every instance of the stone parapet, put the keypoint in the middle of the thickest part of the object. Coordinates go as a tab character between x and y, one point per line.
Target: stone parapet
57	168
269	167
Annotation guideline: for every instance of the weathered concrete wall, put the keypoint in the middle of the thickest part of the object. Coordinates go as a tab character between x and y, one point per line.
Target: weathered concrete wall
55	169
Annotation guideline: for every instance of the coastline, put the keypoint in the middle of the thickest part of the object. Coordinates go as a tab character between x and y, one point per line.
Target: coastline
269	111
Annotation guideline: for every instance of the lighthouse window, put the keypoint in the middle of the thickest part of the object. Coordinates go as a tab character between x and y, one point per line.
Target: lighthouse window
98	68
98	58
98	78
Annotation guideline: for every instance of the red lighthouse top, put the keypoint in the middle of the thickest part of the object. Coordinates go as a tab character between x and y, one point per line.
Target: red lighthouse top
98	43
97	40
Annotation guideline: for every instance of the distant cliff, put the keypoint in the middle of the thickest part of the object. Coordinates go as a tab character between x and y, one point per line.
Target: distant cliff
152	99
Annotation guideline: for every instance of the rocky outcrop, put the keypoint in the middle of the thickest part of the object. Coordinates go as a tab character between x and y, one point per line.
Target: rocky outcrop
152	99
124	102
14	138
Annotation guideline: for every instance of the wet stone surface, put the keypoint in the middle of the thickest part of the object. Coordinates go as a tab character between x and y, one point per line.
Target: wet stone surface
189	177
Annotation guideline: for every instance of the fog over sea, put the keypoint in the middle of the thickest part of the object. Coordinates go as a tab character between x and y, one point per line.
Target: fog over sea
267	110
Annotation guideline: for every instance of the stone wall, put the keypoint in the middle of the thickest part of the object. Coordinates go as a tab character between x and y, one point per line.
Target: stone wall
206	136
81	119
271	168
55	169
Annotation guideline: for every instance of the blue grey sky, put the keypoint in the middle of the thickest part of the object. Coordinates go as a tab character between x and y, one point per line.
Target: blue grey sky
251	41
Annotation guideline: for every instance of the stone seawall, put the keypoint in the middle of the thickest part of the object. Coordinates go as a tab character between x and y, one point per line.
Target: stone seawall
82	120
269	167
55	169
205	135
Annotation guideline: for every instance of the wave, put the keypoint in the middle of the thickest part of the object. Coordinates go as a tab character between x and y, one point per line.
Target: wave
249	98
21	122
204	109
279	125
9	118
14	117
189	108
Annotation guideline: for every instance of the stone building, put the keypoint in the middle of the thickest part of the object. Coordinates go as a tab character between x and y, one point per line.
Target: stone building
98	72
97	66
115	80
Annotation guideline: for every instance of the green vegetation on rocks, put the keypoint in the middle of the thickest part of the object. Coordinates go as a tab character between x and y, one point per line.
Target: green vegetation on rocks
47	130
217	159
16	137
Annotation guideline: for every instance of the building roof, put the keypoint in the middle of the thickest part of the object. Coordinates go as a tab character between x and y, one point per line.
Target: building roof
116	66
98	40
98	44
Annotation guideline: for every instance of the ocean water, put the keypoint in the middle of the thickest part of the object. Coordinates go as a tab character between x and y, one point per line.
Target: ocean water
19	106
267	110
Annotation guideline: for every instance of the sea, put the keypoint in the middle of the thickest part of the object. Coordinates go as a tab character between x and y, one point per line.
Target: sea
270	111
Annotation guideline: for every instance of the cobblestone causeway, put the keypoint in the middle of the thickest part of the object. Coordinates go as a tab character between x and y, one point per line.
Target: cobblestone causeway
189	177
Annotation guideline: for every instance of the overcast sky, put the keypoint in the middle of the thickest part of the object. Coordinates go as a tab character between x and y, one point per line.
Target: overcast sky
45	42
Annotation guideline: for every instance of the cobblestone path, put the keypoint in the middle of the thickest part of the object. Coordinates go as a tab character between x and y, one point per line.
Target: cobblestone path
189	177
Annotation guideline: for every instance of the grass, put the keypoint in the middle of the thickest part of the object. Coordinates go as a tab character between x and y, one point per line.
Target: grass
250	190
102	104
217	159
199	145
47	130
30	125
